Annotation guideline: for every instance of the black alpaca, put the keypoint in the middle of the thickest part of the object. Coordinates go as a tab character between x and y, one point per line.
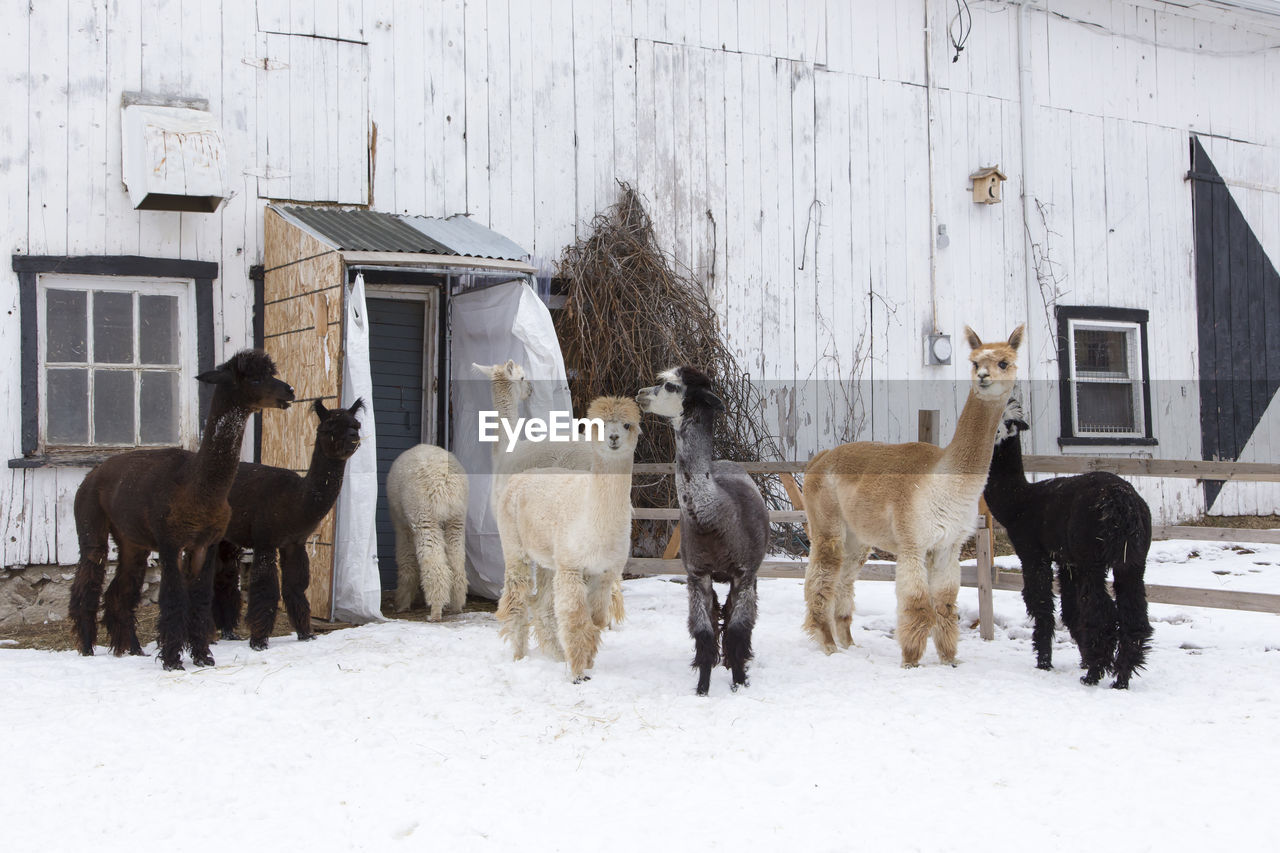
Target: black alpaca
724	525
1086	524
174	502
273	509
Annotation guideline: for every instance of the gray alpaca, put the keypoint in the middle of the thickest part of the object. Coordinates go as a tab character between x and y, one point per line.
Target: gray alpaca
723	522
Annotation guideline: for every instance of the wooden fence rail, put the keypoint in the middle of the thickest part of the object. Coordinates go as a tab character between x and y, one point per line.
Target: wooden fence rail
984	576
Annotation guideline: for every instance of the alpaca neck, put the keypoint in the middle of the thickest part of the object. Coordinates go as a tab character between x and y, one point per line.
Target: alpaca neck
608	490
322	483
504	400
218	458
970	449
1007	482
694	446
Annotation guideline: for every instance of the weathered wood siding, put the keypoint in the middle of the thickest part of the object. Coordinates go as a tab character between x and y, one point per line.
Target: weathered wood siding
782	148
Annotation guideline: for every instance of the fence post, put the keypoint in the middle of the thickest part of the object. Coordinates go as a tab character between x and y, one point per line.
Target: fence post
986	610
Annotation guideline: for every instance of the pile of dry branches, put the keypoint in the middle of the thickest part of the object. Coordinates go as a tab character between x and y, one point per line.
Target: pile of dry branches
633	311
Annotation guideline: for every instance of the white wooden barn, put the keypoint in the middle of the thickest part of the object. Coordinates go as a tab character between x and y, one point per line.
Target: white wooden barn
810	160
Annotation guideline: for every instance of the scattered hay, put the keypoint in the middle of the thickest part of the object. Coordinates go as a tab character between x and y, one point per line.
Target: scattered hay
632	310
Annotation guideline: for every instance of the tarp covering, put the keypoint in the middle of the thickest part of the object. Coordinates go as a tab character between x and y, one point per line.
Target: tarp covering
507	321
357	590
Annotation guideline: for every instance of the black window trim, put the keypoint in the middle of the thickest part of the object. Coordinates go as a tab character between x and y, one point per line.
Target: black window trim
1066	313
29	267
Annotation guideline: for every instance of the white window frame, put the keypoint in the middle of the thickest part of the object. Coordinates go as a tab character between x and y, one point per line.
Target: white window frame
1134	379
189	398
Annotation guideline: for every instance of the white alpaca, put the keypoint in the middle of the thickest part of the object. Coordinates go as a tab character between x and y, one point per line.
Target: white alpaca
427	494
510	388
577	525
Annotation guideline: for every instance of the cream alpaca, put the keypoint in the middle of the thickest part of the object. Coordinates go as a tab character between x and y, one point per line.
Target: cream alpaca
510	388
576	524
427	493
916	500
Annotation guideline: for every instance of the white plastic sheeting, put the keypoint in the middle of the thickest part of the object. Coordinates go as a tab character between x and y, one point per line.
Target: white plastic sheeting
357	590
507	321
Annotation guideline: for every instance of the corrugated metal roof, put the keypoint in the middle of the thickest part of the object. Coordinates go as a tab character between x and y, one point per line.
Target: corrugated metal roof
467	237
366	230
371	231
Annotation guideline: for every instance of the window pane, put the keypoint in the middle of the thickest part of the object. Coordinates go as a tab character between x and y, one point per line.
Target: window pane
158	335
113	328
1105	407
68	406
159	408
113	407
65	325
1102	352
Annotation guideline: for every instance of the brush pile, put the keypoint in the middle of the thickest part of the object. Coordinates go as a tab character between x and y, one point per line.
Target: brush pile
631	311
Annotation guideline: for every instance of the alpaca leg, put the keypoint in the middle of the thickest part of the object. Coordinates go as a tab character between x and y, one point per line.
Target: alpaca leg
406	569
1097	625
455	546
855	556
1037	595
1135	629
1070	595
820	582
740	620
944	586
600	597
513	605
578	634
295	577
86	589
175	601
227	602
202	567
433	568
120	604
544	614
915	611
264	597
703	619
617	607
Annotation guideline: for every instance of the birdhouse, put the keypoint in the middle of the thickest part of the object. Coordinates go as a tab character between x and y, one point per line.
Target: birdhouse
986	185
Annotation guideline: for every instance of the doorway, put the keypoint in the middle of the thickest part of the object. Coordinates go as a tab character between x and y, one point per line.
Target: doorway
404	347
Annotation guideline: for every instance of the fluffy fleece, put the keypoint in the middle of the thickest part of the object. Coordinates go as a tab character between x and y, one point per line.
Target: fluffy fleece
427	494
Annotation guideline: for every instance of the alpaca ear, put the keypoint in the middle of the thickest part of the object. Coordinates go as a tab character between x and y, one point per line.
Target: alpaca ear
1015	339
320	409
1022	425
357	406
710	399
972	337
509	367
217	376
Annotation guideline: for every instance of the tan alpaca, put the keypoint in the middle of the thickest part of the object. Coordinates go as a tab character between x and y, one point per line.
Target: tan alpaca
510	388
916	500
577	524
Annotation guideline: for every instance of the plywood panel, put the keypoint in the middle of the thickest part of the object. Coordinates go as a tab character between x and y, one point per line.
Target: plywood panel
302	327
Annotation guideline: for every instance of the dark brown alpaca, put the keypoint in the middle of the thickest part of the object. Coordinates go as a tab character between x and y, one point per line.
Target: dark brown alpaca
174	502
275	509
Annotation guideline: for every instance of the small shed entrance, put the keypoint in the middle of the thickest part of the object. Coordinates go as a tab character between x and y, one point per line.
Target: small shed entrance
410	268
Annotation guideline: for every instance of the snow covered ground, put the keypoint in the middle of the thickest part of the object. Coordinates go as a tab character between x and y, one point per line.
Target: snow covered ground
419	736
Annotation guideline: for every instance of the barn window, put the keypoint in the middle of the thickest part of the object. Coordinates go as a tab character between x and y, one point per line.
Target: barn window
1102	355
109	355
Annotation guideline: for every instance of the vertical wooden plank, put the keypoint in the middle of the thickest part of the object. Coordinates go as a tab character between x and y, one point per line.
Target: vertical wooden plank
15	538
625	96
306	102
410	108
521	55
479	72
453	104
379	26
47	200
714	263
737	219
42	515
201	75
66	550
87	141
807	214
439	75
240	235
553	132
351	140
697	201
500	130
588	37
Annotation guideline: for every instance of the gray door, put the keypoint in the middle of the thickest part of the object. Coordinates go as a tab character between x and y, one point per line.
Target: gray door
402	360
